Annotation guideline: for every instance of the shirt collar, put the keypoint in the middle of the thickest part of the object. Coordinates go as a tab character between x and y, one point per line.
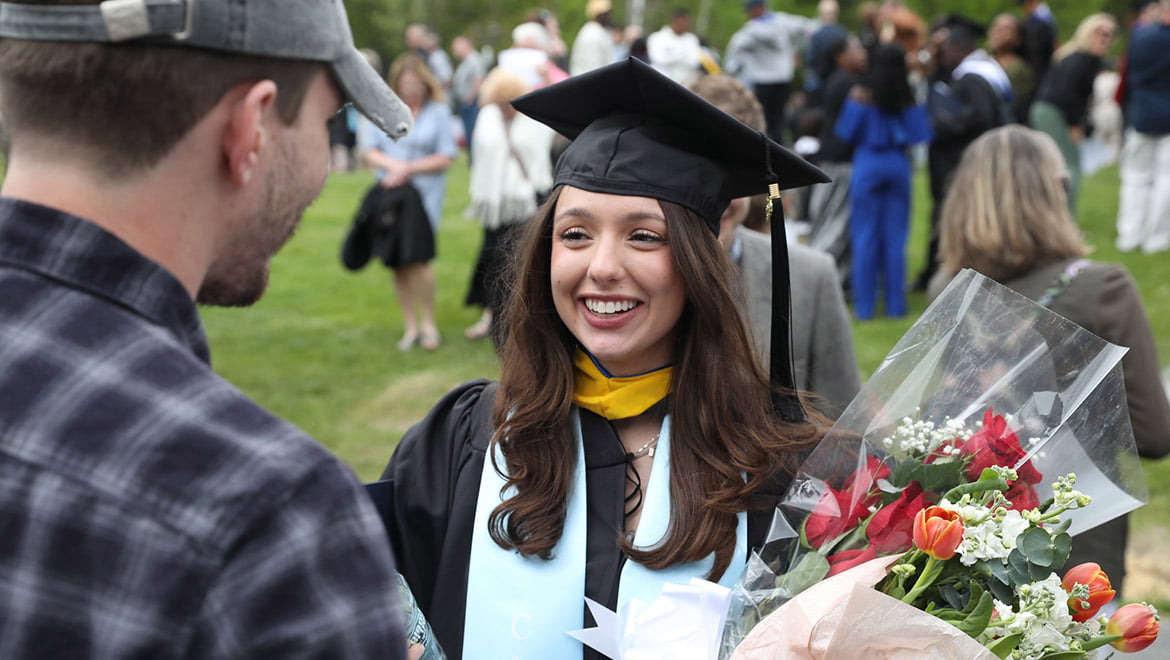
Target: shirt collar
736	251
81	255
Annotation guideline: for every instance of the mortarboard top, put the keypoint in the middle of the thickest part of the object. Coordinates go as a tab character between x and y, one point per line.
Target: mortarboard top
957	22
636	132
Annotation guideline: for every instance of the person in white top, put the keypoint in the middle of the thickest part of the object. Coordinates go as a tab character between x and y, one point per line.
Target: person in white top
674	50
594	45
762	55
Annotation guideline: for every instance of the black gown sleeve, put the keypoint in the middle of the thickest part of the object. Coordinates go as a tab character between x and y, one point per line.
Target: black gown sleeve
976	111
436	471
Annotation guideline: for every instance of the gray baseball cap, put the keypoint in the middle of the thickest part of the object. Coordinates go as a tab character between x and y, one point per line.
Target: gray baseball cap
315	30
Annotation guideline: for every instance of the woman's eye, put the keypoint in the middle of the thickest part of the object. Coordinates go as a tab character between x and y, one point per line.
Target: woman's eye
645	236
573	234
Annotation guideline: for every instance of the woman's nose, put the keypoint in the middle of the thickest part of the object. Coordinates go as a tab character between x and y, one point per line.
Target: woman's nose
605	261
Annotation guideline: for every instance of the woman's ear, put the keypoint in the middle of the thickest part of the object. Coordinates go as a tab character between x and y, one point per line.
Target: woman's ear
245	135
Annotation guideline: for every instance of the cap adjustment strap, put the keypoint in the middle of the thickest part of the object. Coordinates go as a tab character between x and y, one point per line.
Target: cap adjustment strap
109	21
125	19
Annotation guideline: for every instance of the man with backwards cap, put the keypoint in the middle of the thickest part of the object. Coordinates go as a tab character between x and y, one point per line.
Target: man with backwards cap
633	439
162	152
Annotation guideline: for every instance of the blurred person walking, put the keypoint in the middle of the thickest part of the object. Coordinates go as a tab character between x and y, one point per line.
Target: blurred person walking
1003	44
1037	44
882	121
828	207
511	173
465	84
762	55
829	31
529	57
969	95
1006	216
1061	106
557	50
414	165
594	45
675	50
1143	216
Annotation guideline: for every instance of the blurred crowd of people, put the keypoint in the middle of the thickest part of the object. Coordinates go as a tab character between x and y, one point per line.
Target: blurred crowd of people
868	106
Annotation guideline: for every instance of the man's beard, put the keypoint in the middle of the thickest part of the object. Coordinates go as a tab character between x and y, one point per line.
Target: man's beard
240	277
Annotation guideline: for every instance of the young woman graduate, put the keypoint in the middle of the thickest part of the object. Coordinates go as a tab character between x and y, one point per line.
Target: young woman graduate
632	440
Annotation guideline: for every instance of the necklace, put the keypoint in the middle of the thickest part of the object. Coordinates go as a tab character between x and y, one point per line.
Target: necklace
646	449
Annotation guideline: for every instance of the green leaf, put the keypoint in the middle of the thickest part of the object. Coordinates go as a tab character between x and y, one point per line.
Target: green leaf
1061	547
809	569
1098	642
972	488
979	617
1063	655
999	570
1036	545
1004	646
931	476
1018	564
952	596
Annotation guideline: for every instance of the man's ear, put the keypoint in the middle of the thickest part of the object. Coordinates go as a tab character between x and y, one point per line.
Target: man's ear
245	134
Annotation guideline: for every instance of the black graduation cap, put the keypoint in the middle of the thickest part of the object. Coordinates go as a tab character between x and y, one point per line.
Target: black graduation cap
637	132
968	27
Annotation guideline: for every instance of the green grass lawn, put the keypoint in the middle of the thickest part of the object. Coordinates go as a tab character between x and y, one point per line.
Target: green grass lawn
319	348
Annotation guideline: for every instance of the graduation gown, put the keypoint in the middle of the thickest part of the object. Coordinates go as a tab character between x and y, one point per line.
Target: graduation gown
971	108
436	471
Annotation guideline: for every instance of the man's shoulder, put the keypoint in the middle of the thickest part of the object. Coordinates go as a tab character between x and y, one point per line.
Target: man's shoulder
804	261
130	417
810	260
1150	38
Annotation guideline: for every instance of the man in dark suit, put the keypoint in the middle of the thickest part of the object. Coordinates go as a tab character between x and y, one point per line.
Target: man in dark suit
969	95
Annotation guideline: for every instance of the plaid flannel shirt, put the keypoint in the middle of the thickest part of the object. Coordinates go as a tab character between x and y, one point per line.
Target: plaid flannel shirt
148	509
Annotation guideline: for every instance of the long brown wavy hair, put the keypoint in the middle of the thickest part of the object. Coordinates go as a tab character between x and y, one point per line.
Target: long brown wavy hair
733	449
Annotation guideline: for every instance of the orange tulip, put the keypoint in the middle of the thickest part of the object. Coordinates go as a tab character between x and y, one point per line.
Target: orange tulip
938	532
1100	590
1137	624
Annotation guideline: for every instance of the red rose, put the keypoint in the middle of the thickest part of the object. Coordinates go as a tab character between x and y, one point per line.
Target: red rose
891	529
847	559
996	444
1022	496
839	511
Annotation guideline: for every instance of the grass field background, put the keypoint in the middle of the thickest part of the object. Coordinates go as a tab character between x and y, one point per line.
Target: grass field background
319	348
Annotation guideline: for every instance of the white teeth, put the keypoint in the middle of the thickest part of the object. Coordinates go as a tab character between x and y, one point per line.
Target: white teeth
610	306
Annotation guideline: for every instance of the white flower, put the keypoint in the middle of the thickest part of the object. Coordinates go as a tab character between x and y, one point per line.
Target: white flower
987	533
1047	628
917	438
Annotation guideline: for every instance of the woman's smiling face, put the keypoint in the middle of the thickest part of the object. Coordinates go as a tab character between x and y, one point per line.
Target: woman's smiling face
613	279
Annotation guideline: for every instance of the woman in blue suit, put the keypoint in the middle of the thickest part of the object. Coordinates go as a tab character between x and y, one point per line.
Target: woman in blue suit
882	121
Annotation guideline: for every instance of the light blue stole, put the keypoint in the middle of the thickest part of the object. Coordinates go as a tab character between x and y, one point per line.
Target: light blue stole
521	608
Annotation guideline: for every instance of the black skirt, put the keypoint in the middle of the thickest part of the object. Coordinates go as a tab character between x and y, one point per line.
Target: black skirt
392	225
487	286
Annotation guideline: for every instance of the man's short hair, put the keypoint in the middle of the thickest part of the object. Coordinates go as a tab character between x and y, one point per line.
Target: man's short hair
129	104
731	96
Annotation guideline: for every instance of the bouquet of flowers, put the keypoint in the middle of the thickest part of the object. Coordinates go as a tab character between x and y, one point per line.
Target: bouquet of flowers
992	434
934	518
